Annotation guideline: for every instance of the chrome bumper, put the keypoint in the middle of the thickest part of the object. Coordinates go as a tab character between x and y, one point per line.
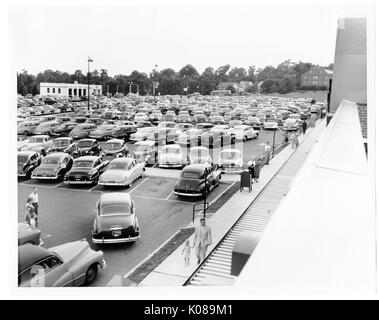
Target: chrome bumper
188	194
171	165
111	184
44	177
120	240
78	182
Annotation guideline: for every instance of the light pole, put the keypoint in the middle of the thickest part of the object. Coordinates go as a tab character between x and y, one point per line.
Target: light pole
88	78
273	143
107	90
154	79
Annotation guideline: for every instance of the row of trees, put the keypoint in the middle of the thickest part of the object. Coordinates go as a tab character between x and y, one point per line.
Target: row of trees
284	78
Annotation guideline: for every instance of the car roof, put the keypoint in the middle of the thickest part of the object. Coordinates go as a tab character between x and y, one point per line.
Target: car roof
29	254
26	153
115	198
145	143
87	158
114	140
40	136
56	155
91	140
125	160
199	148
63	138
231	151
171	146
195	167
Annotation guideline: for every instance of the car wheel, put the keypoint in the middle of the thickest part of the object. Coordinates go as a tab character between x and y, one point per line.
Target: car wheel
26	133
91	274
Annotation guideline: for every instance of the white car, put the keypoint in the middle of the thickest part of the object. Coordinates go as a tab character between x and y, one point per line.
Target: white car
230	161
270	125
199	155
171	156
40	143
244	133
122	172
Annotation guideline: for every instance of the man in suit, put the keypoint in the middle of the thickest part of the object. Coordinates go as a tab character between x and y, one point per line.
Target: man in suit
201	241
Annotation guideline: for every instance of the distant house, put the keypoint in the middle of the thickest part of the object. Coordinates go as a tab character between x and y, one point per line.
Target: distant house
316	76
244	85
225	85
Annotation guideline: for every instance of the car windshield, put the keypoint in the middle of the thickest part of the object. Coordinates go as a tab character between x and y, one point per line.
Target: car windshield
82	164
22	159
85	144
118	166
230	155
36	140
61	143
115	210
171	150
190	175
199	153
50	161
142	149
112	146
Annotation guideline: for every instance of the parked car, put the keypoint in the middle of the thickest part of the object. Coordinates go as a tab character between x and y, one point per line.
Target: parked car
116	220
199	155
184	118
27	161
53	167
197	180
86	170
65	128
82	130
171	156
244	133
114	148
103	132
64	144
124	130
96	121
270	124
70	264
167	124
40	143
230	161
144	124
27	127
216	137
142	134
204	126
162	136
182	127
216	120
254	122
122	172
291	124
190	137
29	234
86	147
145	151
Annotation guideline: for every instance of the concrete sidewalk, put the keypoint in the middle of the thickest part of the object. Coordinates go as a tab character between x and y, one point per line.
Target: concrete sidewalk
173	271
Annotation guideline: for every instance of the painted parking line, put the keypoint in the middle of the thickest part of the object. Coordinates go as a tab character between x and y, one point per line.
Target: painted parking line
170	194
41	185
159	199
136	187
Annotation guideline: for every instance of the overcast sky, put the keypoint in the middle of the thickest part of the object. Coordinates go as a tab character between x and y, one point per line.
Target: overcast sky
126	38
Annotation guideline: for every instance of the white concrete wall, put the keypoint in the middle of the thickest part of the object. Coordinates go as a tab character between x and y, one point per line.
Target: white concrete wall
350	63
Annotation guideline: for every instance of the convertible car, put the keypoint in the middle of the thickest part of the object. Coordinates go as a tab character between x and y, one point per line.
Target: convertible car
27	161
116	220
66	265
171	156
197	180
86	170
114	148
29	234
122	172
64	144
53	167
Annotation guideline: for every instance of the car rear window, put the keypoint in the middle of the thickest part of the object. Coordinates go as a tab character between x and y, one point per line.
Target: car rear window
115	210
191	175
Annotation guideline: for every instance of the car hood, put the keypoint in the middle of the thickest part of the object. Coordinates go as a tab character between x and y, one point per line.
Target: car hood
230	161
71	250
24	229
116	221
114	175
99	131
111	152
34	145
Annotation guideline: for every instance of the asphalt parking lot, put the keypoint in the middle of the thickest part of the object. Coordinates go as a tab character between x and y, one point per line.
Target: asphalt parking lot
67	212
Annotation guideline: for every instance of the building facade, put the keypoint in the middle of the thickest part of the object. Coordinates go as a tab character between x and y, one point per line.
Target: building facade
68	90
316	76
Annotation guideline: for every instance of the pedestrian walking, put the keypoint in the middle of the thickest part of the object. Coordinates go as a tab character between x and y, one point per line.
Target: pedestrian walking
294	140
267	152
304	126
323	113
30	216
186	252
257	169
201	241
34	198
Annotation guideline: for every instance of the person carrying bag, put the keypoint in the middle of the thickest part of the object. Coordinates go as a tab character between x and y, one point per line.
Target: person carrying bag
30	215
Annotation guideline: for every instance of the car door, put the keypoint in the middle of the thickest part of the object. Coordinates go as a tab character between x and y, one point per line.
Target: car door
138	168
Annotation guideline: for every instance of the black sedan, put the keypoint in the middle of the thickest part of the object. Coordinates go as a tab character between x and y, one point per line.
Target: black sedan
53	167
86	147
64	144
27	161
116	220
86	170
197	180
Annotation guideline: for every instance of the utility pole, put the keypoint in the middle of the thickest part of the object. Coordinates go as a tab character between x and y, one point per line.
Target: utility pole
273	143
88	79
